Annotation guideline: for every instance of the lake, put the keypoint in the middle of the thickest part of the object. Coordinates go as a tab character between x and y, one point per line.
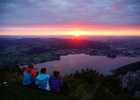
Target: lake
70	63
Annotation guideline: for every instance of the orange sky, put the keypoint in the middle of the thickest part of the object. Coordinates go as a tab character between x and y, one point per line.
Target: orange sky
72	29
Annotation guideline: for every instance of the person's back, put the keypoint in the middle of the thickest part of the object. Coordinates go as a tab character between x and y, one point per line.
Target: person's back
32	70
56	82
33	73
26	77
42	80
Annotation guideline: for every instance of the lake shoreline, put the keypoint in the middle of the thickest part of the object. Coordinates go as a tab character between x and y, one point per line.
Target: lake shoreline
73	62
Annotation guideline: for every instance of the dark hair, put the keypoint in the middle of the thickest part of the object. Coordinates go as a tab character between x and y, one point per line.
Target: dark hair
56	74
43	70
30	66
23	69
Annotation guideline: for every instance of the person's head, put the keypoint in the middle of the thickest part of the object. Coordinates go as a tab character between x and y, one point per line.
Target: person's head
26	69
46	69
17	65
30	66
56	74
43	70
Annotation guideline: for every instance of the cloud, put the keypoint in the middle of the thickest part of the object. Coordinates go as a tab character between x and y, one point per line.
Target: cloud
64	11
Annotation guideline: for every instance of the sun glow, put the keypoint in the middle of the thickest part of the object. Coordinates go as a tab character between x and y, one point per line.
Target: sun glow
76	34
76	31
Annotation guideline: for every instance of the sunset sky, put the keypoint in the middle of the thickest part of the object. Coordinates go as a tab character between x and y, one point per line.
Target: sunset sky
70	17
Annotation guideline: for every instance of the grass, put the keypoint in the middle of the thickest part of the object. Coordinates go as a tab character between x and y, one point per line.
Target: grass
17	92
83	85
13	90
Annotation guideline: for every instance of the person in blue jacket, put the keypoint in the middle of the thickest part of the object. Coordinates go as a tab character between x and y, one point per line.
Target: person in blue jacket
56	83
27	78
42	80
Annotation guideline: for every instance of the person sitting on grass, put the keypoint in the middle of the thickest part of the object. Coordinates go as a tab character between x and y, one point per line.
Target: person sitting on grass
32	71
42	80
26	77
56	83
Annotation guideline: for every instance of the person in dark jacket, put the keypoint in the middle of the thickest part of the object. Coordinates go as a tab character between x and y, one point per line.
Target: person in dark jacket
56	83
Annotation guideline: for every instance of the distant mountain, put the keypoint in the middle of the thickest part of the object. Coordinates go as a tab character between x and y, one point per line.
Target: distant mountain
127	68
51	43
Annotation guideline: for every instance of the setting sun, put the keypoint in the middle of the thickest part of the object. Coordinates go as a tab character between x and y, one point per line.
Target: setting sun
76	34
81	30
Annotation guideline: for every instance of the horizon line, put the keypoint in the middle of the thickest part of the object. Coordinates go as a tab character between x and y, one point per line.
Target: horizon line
78	36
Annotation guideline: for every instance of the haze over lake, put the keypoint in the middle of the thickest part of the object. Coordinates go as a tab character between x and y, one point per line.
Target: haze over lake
70	63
